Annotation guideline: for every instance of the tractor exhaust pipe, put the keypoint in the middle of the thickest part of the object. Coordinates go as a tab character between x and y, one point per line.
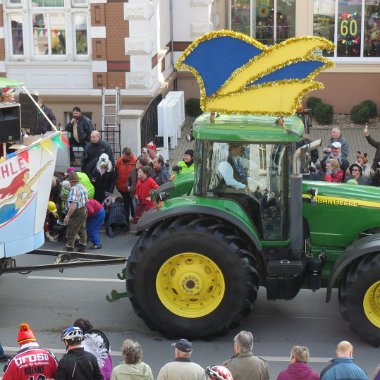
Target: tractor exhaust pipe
296	222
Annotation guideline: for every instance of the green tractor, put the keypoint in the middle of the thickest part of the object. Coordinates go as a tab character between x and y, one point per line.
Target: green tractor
200	259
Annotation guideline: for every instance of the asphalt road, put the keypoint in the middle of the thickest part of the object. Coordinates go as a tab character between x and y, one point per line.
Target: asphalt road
50	301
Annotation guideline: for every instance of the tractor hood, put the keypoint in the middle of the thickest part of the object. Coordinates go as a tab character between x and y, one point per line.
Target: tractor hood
339	213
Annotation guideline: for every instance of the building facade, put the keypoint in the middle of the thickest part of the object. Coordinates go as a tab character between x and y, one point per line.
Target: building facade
67	50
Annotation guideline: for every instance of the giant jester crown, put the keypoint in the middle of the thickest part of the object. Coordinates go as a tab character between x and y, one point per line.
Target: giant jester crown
239	75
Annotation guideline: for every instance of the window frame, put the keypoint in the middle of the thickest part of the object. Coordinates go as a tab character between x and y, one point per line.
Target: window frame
253	18
68	10
349	60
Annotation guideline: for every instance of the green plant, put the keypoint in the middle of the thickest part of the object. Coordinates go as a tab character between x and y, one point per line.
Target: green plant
360	114
372	107
312	102
323	113
193	107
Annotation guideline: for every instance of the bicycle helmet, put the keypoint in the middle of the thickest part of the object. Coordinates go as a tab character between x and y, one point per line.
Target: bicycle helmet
218	372
75	334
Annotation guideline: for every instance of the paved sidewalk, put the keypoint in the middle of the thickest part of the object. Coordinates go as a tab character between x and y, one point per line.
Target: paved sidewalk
354	136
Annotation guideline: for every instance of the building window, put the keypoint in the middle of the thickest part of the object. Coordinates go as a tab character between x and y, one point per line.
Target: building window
268	21
49	33
17	34
49	28
81	37
353	26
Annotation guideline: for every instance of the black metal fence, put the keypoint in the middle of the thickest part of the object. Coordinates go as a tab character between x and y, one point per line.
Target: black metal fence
112	136
149	123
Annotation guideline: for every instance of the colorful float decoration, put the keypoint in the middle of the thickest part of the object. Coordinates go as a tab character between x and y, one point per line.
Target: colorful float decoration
239	75
25	181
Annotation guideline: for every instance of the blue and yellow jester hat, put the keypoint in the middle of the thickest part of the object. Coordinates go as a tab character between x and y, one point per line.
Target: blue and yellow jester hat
239	75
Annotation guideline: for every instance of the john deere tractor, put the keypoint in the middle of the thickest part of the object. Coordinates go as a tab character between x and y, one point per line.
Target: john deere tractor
200	259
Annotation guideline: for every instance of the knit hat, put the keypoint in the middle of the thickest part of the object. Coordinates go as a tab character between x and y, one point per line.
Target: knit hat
73	177
356	166
25	334
190	152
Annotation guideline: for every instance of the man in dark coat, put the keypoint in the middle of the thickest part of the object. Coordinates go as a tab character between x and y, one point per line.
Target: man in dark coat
43	125
376	145
93	150
80	128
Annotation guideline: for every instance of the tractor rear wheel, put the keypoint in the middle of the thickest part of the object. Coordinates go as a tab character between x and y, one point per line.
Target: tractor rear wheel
192	277
359	298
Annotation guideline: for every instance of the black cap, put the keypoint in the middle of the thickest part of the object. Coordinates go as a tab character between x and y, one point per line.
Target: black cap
183	345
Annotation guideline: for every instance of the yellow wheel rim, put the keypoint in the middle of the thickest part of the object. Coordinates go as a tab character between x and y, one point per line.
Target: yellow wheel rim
190	285
371	303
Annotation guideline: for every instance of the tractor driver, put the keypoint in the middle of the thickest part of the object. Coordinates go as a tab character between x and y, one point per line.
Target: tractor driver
233	170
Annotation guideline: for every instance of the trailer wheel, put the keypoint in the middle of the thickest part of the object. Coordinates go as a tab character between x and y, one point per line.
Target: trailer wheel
192	277
359	297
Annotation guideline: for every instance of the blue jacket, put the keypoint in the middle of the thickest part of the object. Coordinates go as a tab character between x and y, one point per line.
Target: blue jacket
343	369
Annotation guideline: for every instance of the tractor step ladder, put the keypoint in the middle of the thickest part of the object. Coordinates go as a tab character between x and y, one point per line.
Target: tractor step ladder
111	104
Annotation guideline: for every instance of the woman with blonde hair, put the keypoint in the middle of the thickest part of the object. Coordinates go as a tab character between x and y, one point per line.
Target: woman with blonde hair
333	171
132	368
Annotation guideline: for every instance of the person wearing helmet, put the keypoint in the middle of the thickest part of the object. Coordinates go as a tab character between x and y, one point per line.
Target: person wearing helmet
96	342
218	372
77	364
244	365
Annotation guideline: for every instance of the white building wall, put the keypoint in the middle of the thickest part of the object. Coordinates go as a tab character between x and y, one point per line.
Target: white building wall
191	19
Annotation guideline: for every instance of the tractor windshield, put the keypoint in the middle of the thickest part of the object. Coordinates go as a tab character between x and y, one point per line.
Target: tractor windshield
255	175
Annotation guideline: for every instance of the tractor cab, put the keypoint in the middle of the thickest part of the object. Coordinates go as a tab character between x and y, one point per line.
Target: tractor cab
249	168
254	175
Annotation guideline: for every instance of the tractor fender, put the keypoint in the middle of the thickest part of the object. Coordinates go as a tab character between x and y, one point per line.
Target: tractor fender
152	217
360	248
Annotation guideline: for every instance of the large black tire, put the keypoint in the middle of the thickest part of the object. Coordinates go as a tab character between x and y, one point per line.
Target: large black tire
207	286
359	298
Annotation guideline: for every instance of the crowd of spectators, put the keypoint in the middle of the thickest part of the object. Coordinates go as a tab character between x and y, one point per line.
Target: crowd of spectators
88	357
103	193
334	166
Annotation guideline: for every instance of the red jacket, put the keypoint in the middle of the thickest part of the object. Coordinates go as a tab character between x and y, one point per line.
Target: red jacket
335	177
143	189
123	169
93	207
31	362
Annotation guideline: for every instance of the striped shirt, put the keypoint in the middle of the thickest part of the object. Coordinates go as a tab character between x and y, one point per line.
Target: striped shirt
79	195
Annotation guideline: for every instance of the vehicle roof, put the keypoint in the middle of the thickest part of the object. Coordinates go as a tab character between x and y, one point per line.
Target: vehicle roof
247	128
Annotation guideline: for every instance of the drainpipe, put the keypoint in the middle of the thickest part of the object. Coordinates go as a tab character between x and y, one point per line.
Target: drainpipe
171	23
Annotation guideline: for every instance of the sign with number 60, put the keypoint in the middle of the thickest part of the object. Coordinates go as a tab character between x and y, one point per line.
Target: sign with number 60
349	27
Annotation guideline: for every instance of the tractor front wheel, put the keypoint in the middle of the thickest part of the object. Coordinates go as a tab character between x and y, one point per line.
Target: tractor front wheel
359	297
192	277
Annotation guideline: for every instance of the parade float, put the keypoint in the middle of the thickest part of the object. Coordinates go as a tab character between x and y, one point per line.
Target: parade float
27	167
